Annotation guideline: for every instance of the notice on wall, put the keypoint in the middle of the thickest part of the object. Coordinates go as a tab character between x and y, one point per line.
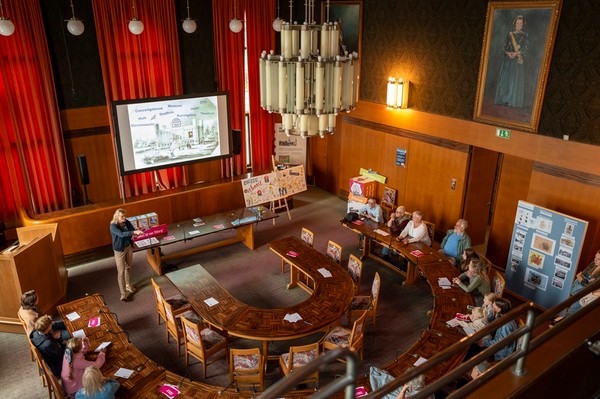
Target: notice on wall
273	186
544	253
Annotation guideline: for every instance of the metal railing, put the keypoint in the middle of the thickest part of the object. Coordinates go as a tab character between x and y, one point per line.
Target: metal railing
517	358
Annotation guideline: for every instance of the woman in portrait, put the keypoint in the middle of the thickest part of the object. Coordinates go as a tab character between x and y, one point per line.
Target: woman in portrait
511	81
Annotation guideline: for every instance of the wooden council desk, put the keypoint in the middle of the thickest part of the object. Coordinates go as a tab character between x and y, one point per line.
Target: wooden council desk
372	232
242	221
329	301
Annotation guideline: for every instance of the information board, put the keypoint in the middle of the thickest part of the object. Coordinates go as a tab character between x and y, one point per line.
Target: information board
273	186
289	149
544	253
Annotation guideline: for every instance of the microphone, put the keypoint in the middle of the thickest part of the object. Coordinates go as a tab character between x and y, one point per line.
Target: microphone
100	295
187	374
141	366
100	311
108	330
219	392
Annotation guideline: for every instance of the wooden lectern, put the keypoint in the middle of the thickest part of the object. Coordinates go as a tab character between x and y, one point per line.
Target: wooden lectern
36	264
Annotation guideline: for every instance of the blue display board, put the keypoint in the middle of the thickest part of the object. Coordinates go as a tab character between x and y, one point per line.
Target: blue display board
544	253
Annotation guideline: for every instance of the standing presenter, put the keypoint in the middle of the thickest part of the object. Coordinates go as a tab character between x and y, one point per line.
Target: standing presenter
122	232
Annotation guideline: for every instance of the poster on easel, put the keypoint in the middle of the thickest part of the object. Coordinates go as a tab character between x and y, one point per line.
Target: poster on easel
289	150
273	186
544	252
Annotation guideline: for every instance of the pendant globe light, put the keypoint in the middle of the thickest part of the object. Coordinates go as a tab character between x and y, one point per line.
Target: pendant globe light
7	28
189	25
135	25
74	25
235	24
277	22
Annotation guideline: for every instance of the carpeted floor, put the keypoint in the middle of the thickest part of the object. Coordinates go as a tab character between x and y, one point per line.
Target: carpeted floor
254	277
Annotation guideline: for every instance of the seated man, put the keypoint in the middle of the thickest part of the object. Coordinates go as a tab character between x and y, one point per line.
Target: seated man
398	221
455	242
372	211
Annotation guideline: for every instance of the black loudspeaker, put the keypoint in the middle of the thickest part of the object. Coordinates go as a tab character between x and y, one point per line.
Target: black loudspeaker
237	141
83	169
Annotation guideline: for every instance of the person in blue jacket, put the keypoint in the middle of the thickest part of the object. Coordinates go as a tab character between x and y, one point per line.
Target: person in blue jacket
96	386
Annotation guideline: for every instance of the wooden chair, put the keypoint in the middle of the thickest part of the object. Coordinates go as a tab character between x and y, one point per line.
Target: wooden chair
201	343
430	230
246	368
173	324
178	302
334	252
367	304
342	337
300	356
355	268
55	389
497	282
35	352
25	328
387	210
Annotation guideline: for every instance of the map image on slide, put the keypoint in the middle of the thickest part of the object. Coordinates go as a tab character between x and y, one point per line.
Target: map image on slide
164	132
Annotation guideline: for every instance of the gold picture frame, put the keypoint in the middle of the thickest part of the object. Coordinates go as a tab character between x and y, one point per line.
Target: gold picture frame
515	61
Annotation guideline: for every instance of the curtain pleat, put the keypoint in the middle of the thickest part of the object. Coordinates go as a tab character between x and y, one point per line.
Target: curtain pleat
33	170
229	60
140	66
260	36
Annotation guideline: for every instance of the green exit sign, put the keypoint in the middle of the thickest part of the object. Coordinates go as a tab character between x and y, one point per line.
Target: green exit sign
503	133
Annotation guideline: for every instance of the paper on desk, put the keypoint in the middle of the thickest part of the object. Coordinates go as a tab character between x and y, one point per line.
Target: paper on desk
453	322
73	316
169	390
420	361
79	334
324	272
444	282
102	346
123	373
193	232
381	232
211	301
146	242
292	318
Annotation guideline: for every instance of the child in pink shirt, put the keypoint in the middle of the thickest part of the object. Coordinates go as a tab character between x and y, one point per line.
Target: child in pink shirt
74	364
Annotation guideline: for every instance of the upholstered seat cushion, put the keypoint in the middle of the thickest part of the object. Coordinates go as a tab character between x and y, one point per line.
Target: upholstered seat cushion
177	301
245	362
300	358
191	316
361	302
339	336
211	338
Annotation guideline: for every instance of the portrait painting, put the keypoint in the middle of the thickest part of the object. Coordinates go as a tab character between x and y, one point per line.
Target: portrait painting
515	59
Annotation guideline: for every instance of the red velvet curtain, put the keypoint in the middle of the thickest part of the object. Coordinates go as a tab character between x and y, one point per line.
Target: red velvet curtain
229	60
260	36
140	66
33	172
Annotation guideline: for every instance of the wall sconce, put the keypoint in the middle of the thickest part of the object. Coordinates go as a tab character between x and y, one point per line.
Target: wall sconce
235	24
135	25
189	25
74	25
397	93
7	28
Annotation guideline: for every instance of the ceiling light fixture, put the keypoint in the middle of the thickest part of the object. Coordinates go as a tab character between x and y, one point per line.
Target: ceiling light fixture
135	25
7	28
189	25
311	81
277	22
235	24
74	25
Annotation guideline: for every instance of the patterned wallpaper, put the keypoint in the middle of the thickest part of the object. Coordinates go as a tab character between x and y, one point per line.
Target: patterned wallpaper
437	46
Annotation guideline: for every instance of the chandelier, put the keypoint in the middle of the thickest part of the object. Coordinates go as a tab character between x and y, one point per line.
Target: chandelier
313	79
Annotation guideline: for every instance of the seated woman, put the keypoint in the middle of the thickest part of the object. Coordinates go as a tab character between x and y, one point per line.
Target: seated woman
479	283
75	363
501	307
415	230
466	257
96	386
29	313
52	349
587	276
592	296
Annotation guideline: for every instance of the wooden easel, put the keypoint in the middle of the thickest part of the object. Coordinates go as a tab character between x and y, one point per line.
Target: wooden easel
281	202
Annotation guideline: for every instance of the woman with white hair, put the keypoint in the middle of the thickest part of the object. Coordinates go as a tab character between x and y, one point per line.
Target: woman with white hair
96	386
